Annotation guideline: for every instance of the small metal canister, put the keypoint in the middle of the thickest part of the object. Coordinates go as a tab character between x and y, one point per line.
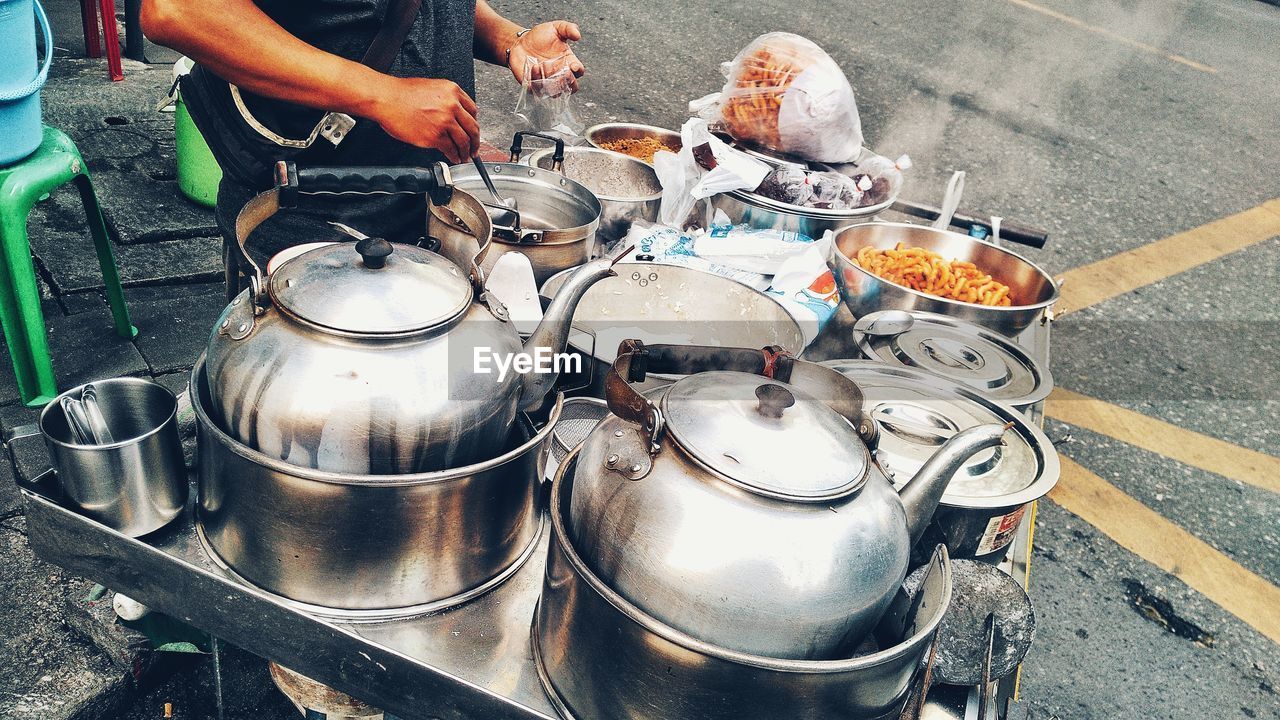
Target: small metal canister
135	484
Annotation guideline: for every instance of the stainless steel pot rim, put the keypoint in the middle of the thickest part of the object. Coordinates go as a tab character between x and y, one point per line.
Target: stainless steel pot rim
171	417
1041	376
848	262
591	132
1050	466
819	213
560	536
525	173
437	476
545	152
359	617
608	355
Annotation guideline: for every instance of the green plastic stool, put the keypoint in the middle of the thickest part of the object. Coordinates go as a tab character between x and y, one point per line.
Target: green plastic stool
55	163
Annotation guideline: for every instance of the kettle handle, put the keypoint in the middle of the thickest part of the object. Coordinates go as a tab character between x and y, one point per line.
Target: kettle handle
635	360
290	181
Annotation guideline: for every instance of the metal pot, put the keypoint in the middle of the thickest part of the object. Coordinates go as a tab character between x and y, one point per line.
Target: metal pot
604	133
367	547
371	359
760	212
657	672
557	218
741	507
915	412
956	350
671	304
628	189
863	292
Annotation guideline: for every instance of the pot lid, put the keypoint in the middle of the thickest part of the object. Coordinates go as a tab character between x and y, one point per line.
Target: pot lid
765	436
957	350
371	288
916	412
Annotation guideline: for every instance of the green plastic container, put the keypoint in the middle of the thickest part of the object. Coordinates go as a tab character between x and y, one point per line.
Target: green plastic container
198	172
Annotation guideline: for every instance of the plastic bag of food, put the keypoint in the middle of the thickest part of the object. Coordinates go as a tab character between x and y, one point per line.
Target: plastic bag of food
545	101
833	191
788	184
880	177
786	94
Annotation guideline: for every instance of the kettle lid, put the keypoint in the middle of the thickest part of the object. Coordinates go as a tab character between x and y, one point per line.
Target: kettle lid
371	288
765	436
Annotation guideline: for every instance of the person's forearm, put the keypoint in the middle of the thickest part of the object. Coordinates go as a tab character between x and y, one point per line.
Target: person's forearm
244	46
494	35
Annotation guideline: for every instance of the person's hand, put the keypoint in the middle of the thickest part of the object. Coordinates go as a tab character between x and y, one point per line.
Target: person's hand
430	113
546	42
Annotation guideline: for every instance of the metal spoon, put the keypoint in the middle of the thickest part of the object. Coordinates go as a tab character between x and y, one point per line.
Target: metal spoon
93	414
76	421
511	218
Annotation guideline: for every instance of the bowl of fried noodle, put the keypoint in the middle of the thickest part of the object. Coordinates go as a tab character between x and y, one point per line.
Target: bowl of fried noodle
899	266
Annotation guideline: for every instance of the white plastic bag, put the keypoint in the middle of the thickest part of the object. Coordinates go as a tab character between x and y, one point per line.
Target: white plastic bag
786	94
742	247
685	181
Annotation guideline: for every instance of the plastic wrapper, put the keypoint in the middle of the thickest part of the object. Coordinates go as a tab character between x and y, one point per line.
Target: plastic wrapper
786	94
833	191
545	101
746	248
667	245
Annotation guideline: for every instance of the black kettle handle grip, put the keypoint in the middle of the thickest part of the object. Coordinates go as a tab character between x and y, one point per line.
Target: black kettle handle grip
433	181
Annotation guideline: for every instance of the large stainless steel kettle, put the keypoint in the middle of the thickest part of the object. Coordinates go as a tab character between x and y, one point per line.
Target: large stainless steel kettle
370	358
742	507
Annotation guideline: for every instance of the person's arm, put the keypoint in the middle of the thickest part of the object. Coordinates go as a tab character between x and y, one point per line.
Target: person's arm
496	35
241	44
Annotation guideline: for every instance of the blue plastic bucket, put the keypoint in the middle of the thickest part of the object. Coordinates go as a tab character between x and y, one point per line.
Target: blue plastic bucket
20	81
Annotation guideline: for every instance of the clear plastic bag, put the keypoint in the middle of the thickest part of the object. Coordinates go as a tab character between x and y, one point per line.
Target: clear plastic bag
788	184
545	102
879	177
786	94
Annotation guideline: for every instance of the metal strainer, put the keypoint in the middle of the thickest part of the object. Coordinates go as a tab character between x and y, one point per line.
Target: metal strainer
578	418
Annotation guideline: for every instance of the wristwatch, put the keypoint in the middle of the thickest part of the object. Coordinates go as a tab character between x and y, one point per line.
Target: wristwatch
518	36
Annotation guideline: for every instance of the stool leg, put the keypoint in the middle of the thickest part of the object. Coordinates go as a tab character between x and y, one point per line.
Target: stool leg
20	311
89	18
111	40
106	257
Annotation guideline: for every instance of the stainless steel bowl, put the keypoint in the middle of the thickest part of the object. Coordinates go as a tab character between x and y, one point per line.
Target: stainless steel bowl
606	132
367	547
628	188
761	212
1029	286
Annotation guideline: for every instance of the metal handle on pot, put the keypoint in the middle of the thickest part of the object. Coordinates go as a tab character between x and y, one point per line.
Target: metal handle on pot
967	220
517	147
635	360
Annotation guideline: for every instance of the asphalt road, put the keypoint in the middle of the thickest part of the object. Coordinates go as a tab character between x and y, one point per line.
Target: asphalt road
1113	125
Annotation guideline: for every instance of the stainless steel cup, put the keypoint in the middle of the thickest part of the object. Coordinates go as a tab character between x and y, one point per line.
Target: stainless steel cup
136	484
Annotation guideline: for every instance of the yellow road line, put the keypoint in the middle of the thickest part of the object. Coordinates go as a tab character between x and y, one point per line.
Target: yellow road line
1145	533
1114	36
1185	446
1124	272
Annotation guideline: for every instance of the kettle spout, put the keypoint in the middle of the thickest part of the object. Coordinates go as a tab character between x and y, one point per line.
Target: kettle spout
552	334
922	493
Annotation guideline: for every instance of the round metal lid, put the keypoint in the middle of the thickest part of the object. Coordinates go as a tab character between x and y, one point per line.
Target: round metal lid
765	436
956	350
916	412
371	288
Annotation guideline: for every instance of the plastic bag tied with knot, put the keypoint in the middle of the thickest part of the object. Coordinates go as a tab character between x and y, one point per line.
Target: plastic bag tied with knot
786	94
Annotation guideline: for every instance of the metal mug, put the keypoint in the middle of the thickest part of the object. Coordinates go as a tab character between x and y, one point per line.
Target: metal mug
136	484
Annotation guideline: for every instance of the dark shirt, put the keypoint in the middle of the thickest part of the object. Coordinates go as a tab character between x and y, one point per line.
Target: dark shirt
439	45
